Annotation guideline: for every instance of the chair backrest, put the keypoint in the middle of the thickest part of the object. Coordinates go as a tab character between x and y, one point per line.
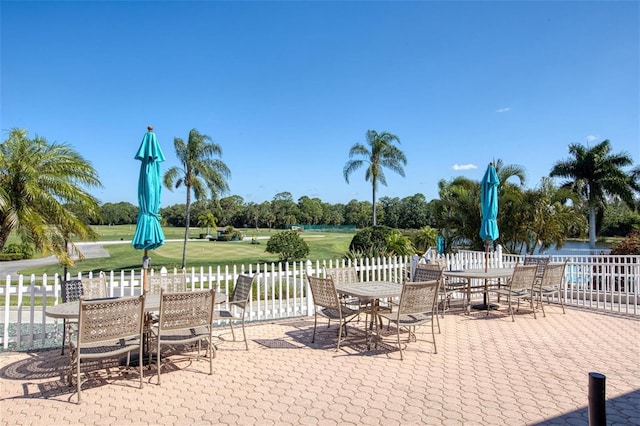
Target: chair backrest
441	261
242	290
418	297
554	275
110	319
427	272
540	261
186	309
344	275
324	292
170	283
95	287
524	277
72	290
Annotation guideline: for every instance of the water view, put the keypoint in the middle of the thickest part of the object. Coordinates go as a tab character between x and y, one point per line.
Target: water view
577	248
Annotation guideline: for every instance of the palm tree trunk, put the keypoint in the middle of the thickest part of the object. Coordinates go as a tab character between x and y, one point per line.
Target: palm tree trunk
4	236
374	205
592	228
186	229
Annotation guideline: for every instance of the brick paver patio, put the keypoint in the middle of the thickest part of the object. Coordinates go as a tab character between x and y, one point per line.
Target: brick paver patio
488	371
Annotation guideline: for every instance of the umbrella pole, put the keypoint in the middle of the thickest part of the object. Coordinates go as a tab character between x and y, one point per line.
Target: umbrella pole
145	265
486	256
486	269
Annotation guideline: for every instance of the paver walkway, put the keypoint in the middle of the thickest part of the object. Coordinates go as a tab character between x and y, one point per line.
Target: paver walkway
488	371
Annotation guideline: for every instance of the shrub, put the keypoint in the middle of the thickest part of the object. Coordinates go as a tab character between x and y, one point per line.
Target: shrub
371	241
26	250
630	245
11	256
230	234
288	245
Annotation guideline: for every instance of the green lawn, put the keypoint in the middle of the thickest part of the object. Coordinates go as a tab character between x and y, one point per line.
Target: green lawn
200	253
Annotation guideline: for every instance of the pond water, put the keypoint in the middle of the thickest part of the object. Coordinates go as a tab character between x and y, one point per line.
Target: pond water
576	248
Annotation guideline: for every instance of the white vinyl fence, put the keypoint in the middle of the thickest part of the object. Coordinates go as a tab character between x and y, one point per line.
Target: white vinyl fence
603	283
600	282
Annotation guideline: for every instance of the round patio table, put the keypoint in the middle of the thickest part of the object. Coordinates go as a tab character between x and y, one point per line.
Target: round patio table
70	310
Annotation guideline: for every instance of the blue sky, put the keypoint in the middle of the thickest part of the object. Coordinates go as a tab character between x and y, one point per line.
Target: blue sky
286	88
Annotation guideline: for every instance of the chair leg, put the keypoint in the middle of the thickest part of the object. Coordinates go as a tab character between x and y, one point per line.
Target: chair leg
534	309
140	363
212	352
339	335
513	318
315	323
233	334
244	335
158	361
78	381
399	343
433	336
64	334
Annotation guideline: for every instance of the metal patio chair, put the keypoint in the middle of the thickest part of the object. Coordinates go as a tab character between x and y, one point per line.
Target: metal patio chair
327	303
73	289
520	286
185	317
552	284
239	300
418	306
106	328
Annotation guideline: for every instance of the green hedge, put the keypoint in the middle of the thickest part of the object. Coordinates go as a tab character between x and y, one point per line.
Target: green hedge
11	256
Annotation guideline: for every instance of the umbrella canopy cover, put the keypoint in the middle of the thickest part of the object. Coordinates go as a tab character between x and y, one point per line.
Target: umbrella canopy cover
489	204
149	235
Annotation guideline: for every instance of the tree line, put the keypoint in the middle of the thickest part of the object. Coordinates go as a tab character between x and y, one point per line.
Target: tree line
45	197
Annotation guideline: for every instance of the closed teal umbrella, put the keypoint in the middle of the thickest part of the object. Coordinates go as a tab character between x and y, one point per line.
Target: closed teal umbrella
489	205
489	208
148	235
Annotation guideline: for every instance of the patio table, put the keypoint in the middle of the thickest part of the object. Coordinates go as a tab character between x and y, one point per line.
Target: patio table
70	310
479	274
372	292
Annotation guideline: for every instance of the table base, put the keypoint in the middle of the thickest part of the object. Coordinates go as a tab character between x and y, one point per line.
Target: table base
485	307
134	360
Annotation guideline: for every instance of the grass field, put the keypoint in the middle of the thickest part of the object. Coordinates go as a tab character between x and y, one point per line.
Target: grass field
200	253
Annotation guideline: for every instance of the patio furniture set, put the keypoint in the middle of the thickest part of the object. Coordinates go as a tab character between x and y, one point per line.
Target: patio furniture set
427	293
97	326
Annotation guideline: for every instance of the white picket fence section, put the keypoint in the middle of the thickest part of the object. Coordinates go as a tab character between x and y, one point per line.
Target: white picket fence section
603	283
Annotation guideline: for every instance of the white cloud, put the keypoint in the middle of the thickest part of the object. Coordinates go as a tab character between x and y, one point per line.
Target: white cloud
464	166
592	138
506	109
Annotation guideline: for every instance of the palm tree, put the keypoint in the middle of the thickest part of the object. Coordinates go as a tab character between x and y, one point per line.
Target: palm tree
199	172
383	154
207	220
594	174
425	237
399	245
38	180
547	215
458	208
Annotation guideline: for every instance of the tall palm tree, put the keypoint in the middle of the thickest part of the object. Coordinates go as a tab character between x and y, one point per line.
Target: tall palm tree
199	172
383	154
37	181
594	174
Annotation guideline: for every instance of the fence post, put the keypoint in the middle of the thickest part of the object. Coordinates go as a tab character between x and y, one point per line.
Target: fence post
597	412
